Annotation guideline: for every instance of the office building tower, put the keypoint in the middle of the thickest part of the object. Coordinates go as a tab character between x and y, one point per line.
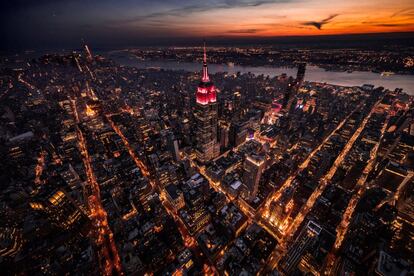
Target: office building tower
207	147
301	73
60	209
88	53
224	134
173	147
290	95
253	168
307	237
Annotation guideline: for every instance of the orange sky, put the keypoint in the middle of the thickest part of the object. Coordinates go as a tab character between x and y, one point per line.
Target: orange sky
286	17
61	23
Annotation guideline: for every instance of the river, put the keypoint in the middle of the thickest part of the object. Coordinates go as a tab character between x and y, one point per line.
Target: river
313	73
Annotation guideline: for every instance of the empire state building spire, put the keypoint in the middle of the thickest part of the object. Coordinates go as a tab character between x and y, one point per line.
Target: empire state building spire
206	91
205	77
206	116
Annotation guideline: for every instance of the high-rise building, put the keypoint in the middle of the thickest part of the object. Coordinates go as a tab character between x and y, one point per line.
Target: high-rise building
88	53
224	134
238	132
307	237
253	169
290	94
237	102
60	209
293	86
205	114
173	147
301	73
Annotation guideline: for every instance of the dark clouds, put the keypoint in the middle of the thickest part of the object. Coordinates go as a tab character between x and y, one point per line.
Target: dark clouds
44	23
391	25
245	31
202	6
119	23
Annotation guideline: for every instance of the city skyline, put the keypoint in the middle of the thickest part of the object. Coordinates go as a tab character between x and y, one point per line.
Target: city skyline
282	145
115	170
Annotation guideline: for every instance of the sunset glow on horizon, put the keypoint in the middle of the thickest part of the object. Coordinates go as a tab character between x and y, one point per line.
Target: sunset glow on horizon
131	21
287	18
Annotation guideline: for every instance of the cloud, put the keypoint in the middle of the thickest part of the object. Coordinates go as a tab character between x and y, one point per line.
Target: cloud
245	31
390	23
204	6
393	24
404	12
318	24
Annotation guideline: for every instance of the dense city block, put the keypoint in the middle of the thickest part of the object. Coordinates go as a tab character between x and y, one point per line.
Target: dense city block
114	170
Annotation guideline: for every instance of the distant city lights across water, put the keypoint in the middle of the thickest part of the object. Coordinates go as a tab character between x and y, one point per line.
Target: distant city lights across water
313	73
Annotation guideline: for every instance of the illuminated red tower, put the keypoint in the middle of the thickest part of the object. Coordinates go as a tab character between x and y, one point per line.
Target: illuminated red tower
205	114
206	91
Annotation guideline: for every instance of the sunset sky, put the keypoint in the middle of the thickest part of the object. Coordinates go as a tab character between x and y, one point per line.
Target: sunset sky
47	22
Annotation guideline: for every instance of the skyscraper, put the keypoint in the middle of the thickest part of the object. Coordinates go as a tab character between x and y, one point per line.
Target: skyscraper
293	86
88	53
300	76
205	114
253	168
60	209
290	95
224	134
307	237
173	147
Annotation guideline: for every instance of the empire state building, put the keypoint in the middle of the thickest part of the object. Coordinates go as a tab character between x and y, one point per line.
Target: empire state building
207	147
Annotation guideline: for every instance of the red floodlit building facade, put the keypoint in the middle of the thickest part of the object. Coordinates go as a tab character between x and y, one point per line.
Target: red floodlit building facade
205	114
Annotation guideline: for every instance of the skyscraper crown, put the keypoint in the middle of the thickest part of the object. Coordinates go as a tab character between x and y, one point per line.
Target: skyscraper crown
206	91
205	77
